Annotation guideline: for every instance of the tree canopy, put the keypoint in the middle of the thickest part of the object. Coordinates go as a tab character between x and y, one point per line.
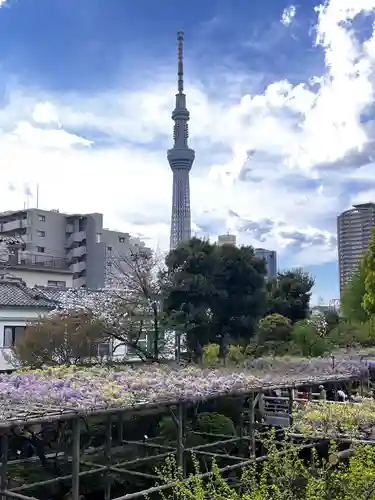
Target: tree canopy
214	293
352	297
289	294
368	302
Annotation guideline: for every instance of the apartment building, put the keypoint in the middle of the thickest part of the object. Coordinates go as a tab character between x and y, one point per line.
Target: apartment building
270	258
353	234
227	239
75	244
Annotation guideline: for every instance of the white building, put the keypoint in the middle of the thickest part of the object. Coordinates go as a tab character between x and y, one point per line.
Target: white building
18	306
38	275
227	239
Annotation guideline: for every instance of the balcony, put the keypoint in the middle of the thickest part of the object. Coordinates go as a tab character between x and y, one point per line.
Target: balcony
78	282
76	252
76	237
78	267
13	225
38	262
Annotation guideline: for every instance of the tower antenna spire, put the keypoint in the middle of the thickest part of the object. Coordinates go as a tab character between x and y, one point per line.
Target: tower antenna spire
180	66
181	159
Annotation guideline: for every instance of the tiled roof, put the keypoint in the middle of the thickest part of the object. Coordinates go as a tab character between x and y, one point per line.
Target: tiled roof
13	294
57	294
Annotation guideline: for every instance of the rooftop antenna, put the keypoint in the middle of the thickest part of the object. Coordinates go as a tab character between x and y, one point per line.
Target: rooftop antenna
28	194
180	67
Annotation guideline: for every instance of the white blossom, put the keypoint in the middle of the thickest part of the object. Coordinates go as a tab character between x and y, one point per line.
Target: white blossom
318	320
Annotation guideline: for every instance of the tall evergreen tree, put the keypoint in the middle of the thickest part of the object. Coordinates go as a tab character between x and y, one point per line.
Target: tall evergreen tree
368	302
352	297
289	294
213	293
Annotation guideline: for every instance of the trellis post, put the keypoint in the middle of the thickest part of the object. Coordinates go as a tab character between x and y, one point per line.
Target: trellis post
107	457
252	403
241	426
180	420
120	427
290	404
4	463
76	450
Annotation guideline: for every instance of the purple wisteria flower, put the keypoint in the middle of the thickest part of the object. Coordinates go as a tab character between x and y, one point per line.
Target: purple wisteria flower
89	389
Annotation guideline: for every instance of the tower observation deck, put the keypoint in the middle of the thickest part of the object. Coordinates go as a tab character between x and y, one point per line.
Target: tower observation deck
180	158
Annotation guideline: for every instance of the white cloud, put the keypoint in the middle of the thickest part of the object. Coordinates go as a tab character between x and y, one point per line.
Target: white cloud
2	3
45	113
107	152
26	134
288	15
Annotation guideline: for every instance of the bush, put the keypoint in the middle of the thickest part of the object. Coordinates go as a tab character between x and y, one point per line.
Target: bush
308	341
274	328
211	354
167	428
211	423
354	334
59	339
215	423
284	475
236	354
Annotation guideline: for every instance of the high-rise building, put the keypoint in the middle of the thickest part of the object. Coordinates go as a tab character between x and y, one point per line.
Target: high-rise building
226	239
75	243
180	158
353	235
271	261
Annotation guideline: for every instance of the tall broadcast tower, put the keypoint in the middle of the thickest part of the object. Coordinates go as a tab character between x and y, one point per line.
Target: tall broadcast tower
180	159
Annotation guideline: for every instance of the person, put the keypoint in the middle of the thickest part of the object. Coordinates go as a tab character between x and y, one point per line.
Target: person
322	392
341	396
355	398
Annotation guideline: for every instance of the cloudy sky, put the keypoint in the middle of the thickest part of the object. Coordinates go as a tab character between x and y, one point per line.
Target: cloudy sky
282	116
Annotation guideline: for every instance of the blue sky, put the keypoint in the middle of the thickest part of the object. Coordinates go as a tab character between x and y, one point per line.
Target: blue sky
281	102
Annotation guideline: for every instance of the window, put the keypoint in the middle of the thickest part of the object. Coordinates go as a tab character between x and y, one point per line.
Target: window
60	284
98	237
109	249
11	334
140	344
41	234
40	249
104	349
42	218
121	239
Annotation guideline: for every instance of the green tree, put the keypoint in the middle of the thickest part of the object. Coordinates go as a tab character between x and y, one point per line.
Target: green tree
332	319
275	328
352	297
368	302
308	341
353	334
273	335
213	293
289	294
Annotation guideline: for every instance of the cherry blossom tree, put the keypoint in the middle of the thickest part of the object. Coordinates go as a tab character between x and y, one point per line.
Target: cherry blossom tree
129	307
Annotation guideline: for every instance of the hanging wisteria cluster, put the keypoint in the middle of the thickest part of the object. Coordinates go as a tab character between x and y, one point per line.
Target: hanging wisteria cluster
91	389
354	420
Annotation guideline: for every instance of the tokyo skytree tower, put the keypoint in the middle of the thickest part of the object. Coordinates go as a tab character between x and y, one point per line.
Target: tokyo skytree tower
180	159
